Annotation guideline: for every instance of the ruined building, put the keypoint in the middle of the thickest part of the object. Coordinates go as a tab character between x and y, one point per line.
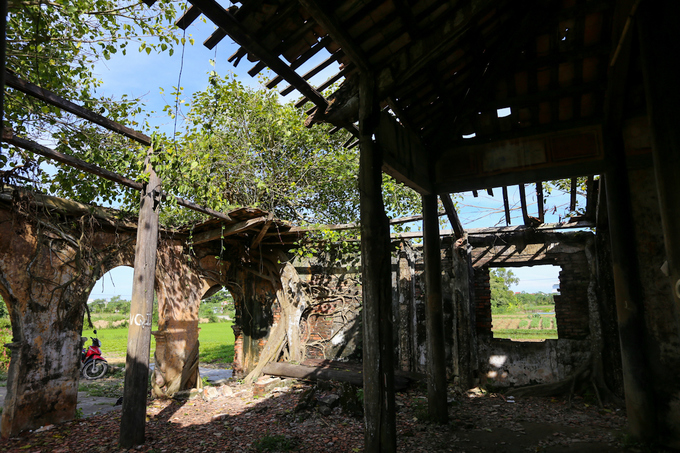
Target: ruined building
590	91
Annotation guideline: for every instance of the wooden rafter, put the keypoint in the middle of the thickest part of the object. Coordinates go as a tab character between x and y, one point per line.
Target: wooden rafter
314	71
539	198
263	231
332	25
506	205
53	99
223	19
8	137
228	230
523	201
450	209
188	17
302	59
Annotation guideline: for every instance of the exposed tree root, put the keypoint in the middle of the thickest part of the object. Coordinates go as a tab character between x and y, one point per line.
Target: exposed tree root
292	299
585	376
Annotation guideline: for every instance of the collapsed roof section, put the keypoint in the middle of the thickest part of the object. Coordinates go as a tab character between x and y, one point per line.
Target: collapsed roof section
476	93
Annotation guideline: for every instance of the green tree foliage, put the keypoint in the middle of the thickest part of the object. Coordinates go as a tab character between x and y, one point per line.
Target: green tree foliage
245	148
56	45
539	298
98	306
221	301
241	147
3	308
500	281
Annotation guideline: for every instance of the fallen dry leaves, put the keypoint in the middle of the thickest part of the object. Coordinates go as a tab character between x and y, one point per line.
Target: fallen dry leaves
235	421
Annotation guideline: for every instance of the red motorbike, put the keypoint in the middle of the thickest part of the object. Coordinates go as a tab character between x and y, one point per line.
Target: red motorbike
94	366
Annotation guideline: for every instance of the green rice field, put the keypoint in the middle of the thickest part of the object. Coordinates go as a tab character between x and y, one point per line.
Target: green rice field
532	323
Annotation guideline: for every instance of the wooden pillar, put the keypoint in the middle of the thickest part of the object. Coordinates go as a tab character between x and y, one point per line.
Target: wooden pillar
3	56
523	202
637	378
661	77
506	205
133	418
539	200
436	356
379	406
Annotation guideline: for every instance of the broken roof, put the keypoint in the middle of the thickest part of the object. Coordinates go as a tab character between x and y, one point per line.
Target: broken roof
476	93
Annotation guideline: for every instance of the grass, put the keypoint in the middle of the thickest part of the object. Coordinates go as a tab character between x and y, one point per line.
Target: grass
526	334
275	443
216	342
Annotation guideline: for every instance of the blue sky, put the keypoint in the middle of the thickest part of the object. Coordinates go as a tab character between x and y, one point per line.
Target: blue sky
152	77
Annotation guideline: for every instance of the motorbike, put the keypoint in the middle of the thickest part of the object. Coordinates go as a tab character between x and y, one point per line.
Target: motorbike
94	366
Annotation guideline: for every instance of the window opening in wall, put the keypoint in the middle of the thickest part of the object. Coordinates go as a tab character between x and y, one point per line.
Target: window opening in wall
522	303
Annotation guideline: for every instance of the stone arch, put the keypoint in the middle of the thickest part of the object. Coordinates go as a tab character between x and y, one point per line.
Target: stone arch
51	255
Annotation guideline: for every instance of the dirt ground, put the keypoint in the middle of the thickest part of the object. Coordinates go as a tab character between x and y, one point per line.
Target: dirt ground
303	417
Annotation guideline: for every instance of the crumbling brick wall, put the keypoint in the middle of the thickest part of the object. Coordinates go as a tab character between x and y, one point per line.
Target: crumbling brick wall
508	362
571	305
482	300
333	323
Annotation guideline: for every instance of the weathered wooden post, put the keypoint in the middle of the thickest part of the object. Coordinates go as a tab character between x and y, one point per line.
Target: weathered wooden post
436	356
637	376
133	418
661	88
3	34
380	434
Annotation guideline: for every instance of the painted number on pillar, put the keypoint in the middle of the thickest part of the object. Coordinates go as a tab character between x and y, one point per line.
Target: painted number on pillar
140	320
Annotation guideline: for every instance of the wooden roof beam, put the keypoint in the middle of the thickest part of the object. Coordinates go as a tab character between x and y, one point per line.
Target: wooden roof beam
450	209
326	84
226	21
572	191
523	201
51	98
539	198
506	205
338	32
228	230
188	17
9	137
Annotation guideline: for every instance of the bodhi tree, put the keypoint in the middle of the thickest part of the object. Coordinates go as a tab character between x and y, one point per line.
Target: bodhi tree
243	147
